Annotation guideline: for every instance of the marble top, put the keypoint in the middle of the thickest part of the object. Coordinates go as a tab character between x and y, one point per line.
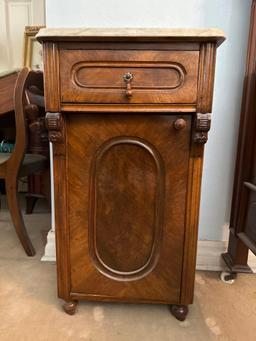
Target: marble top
176	33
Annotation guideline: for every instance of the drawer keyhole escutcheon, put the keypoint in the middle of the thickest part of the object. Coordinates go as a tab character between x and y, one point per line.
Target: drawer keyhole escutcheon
179	124
128	77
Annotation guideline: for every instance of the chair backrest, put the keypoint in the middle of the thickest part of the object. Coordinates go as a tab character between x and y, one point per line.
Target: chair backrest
28	92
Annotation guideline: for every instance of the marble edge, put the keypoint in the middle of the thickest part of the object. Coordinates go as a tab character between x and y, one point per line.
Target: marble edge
130	32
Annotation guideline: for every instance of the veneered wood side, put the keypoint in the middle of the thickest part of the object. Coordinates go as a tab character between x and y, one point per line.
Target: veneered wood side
191	230
86	136
204	105
96	76
61	211
58	137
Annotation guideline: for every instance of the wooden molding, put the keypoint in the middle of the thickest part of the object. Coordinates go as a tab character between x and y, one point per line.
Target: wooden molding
150	258
51	77
206	77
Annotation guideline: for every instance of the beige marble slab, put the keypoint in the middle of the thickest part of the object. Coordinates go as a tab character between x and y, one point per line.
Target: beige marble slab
58	33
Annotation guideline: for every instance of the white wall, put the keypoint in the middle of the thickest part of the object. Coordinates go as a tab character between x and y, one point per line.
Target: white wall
230	15
14	16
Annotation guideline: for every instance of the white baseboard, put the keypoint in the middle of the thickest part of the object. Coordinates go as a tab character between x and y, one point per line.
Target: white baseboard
50	250
208	254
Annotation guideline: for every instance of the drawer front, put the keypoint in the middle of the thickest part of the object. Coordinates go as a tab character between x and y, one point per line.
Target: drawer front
91	76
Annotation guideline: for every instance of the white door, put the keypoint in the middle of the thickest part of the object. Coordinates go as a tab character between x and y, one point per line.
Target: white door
14	16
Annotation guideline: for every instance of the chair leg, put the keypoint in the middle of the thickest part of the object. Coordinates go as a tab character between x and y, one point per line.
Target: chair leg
30	203
18	222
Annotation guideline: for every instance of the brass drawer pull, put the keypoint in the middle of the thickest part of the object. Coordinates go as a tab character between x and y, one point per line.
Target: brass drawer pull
128	77
179	124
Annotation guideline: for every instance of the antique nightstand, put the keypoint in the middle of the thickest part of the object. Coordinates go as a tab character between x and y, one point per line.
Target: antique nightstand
128	116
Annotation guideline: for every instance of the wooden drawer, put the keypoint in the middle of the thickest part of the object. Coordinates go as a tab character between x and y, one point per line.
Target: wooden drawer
97	76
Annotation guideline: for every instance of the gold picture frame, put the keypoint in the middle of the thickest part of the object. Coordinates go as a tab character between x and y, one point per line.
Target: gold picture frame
32	55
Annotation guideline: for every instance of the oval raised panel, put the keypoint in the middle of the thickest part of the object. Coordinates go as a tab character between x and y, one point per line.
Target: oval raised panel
147	76
126	213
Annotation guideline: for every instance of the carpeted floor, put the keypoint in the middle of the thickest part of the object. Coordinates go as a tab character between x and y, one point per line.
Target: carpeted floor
31	311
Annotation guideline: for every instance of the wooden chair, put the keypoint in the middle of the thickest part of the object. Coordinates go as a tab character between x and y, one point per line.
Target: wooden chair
18	164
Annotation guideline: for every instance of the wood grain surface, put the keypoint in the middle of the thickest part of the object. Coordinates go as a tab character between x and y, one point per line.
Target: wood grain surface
128	117
135	195
93	76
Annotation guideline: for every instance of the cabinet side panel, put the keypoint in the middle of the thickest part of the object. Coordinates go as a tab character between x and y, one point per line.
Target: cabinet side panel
204	106
58	137
191	229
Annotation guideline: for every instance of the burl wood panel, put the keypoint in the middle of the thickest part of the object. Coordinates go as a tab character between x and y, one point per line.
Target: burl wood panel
127	182
96	76
127	192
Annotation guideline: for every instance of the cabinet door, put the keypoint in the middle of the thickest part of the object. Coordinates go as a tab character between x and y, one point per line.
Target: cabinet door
127	182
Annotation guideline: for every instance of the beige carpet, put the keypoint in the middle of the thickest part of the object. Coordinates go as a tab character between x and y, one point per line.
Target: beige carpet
30	309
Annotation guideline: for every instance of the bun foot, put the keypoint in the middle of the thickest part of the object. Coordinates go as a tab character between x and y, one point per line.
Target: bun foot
70	307
179	311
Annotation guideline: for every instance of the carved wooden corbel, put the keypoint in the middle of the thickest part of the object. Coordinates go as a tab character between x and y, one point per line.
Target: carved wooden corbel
201	128
54	124
37	134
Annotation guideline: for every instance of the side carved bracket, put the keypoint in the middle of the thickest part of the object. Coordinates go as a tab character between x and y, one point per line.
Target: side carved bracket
54	124
201	127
